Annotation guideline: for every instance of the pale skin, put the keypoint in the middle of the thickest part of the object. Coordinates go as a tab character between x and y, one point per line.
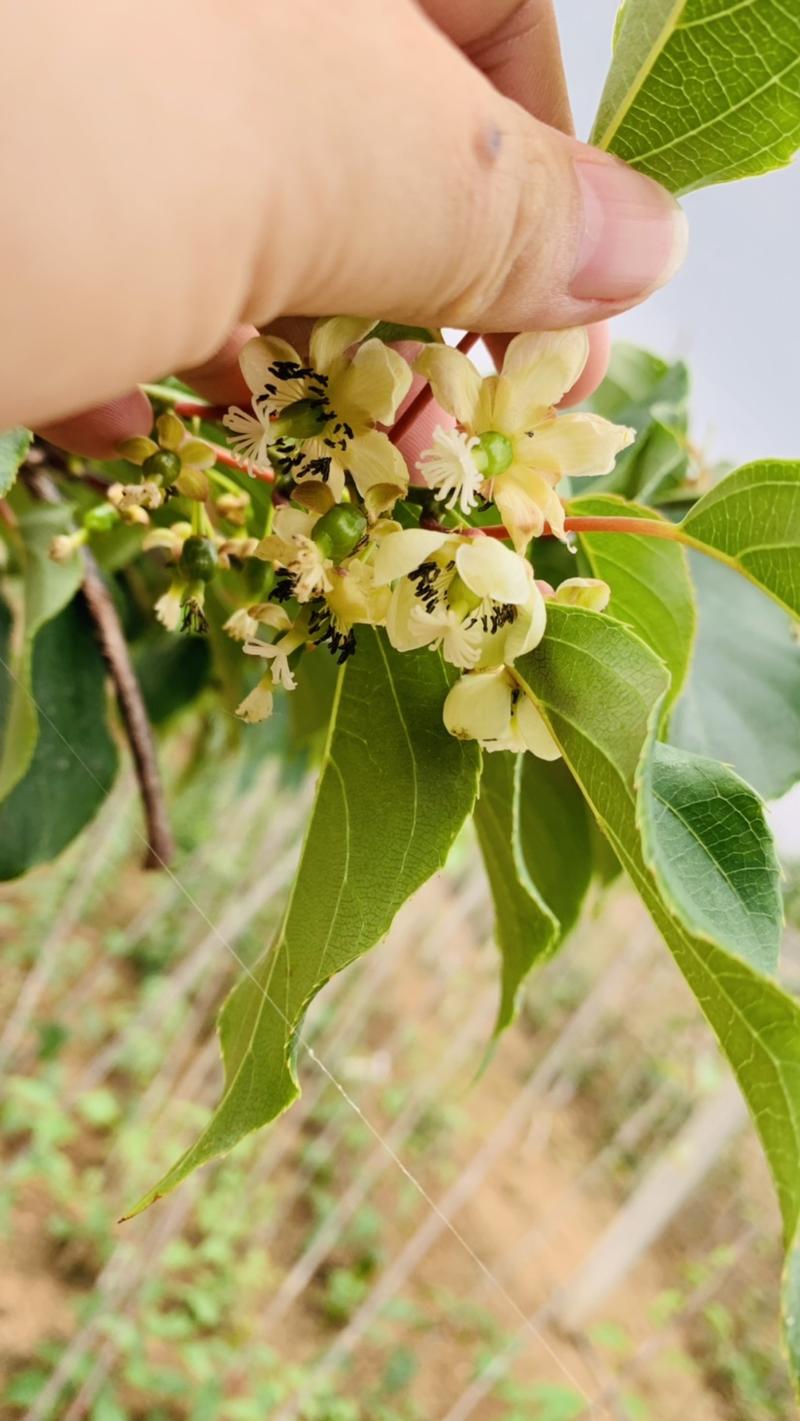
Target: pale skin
183	173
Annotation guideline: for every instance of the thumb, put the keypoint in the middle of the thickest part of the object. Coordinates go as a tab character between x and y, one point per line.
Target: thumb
434	197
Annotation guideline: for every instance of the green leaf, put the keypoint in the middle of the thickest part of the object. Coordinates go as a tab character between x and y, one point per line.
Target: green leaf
47	588
644	392
703	91
601	690
171	670
394	791
713	853
741	702
751	520
651	590
14	446
527	931
390	331
74	760
555	837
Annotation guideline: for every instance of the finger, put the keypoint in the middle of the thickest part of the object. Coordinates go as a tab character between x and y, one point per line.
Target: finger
477	215
426	196
98	433
515	44
594	371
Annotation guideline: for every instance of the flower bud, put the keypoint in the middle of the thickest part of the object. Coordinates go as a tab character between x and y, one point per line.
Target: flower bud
65	545
339	531
193	483
101	518
164	464
199	559
589	592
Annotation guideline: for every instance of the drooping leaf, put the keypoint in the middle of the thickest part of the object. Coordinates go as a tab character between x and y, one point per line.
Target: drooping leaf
703	91
741	702
47	588
651	590
14	446
751	520
75	759
526	929
651	396
555	837
311	703
171	670
394	791
713	853
601	690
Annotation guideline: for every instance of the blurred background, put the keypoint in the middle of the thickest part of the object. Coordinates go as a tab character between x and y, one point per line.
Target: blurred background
580	1226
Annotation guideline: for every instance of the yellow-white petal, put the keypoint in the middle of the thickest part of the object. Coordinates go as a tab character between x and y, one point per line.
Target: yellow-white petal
526	501
379	470
399	553
589	592
368	389
290	522
533	731
455	382
574	444
331	337
258	705
256	357
353	597
170	430
138	449
322	466
543	365
491	570
406	628
529	628
478	707
197	454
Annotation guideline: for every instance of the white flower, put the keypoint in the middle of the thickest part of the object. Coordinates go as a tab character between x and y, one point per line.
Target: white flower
291	545
258	705
524	447
449	468
317	420
490	707
241	625
277	653
249	435
187	457
472	597
64	546
169	607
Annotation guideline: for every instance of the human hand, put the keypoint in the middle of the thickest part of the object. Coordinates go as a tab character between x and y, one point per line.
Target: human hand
177	183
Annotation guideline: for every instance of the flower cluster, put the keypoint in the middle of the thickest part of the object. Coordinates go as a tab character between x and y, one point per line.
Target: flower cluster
346	535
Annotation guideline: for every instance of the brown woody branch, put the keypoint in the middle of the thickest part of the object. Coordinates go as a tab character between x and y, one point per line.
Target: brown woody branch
139	732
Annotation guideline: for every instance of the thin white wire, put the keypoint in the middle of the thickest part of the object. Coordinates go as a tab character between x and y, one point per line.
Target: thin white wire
484	1268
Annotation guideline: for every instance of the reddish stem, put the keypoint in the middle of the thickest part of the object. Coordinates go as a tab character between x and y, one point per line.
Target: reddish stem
224	456
421	401
187	409
640	527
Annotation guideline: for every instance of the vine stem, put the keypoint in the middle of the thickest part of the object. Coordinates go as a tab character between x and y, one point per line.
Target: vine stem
639	527
114	647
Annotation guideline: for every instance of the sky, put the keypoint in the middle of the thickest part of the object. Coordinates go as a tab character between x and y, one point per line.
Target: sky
734	310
